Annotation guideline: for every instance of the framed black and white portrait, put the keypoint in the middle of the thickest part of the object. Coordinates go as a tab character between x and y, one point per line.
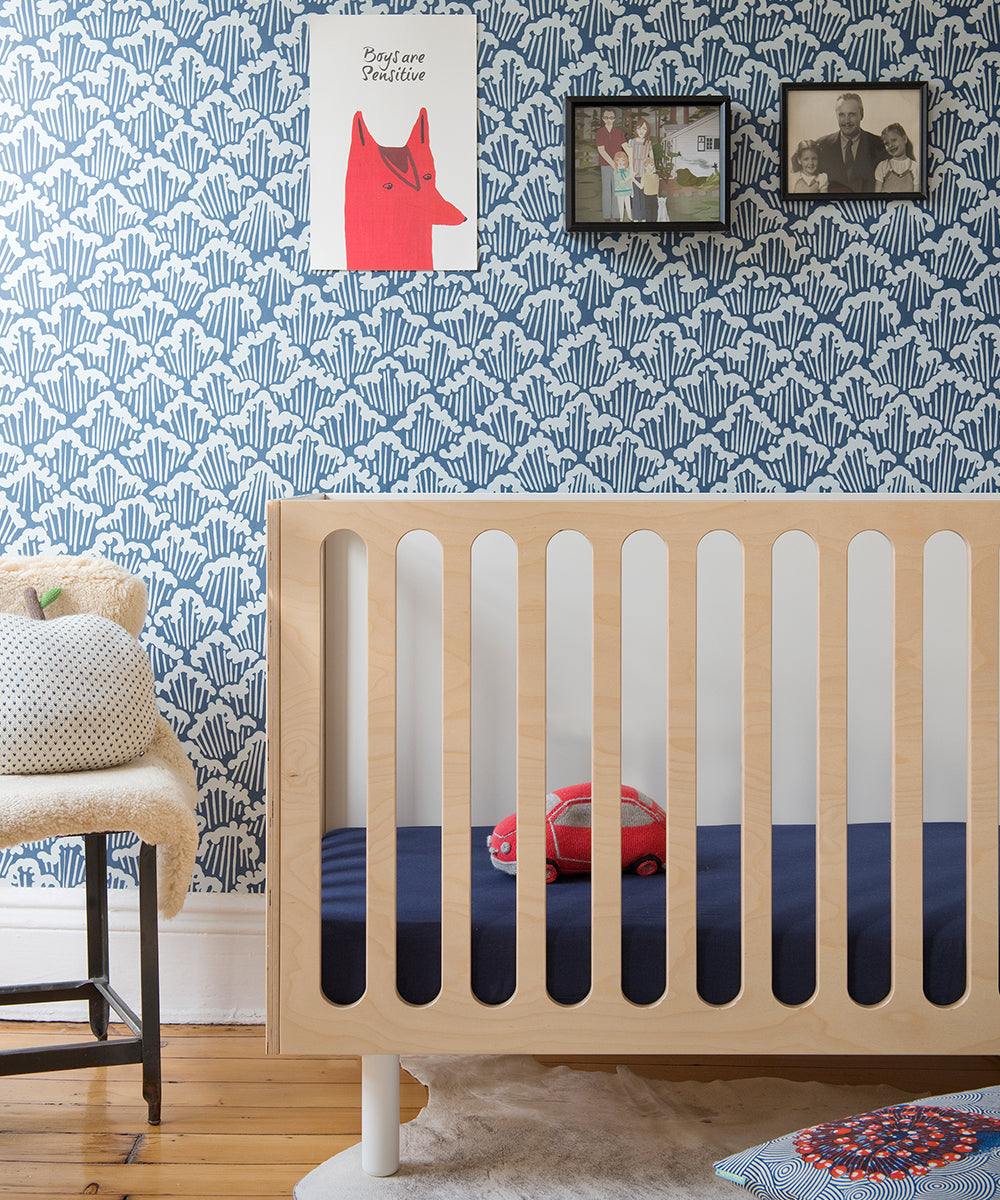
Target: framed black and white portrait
854	141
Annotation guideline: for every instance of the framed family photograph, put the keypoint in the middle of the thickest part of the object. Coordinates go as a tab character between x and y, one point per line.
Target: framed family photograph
647	164
854	141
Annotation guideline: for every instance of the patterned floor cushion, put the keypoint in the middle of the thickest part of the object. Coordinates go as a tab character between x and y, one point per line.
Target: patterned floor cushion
947	1144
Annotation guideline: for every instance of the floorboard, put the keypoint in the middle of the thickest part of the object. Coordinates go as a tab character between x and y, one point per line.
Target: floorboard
237	1124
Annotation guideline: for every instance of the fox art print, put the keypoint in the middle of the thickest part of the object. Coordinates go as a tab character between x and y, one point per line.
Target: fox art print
392	203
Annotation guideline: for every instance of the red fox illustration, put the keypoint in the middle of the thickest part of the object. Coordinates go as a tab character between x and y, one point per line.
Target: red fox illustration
391	202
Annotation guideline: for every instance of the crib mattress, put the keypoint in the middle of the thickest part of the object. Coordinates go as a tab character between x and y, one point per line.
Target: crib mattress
643	907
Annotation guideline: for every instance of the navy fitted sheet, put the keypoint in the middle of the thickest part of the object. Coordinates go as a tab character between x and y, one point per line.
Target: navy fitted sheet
643	905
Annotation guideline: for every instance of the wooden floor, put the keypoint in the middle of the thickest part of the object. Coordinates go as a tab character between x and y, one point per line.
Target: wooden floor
235	1123
238	1124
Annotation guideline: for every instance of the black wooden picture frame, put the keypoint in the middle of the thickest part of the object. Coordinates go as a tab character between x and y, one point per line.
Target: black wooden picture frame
676	152
854	141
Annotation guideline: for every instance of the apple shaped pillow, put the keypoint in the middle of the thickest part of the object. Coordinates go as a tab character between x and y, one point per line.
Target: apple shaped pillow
76	694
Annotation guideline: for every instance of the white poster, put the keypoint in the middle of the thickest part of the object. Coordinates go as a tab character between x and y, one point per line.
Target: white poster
393	133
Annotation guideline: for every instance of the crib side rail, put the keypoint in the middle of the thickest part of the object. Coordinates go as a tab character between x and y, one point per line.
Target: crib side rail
301	1020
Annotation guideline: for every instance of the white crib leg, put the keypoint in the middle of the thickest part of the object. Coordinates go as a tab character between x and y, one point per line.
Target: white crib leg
380	1114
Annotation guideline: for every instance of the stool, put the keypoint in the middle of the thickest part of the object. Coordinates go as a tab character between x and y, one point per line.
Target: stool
152	796
144	1044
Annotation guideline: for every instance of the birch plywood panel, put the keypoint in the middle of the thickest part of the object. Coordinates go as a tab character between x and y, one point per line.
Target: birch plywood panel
301	1020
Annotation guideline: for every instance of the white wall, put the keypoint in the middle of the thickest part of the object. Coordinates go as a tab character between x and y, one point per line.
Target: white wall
212	954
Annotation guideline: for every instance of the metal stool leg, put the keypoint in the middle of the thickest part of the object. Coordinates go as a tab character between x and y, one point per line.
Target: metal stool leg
96	858
144	1044
152	1080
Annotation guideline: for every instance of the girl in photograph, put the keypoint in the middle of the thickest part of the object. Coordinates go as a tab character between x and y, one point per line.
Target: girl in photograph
897	173
623	182
807	176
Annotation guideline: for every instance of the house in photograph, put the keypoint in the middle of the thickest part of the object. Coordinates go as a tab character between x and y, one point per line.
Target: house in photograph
696	144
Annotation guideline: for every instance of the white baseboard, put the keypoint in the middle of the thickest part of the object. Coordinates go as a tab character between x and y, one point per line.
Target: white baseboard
212	954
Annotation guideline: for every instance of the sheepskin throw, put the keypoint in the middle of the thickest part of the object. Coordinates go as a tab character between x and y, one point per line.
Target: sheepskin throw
153	796
89	585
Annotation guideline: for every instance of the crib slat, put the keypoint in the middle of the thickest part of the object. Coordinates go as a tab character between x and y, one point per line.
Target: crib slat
295	730
530	987
984	770
380	940
757	709
831	751
682	768
908	775
456	804
606	857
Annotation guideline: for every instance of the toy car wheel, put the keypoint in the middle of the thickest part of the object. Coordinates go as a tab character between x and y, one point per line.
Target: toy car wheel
551	871
648	865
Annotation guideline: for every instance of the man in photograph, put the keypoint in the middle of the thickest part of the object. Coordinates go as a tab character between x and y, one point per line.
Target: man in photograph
610	140
849	156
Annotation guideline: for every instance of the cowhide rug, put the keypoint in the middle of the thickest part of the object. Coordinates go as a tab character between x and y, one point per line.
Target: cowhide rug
507	1128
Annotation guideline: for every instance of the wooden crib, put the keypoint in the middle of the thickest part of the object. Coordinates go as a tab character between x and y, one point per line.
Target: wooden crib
380	1024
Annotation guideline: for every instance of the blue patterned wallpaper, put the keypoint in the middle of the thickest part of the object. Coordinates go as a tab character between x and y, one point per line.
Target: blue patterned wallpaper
168	360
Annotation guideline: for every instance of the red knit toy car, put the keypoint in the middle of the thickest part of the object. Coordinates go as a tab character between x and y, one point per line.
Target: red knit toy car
567	834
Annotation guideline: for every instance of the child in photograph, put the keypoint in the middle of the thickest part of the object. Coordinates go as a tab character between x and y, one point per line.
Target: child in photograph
650	187
623	182
807	176
897	173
